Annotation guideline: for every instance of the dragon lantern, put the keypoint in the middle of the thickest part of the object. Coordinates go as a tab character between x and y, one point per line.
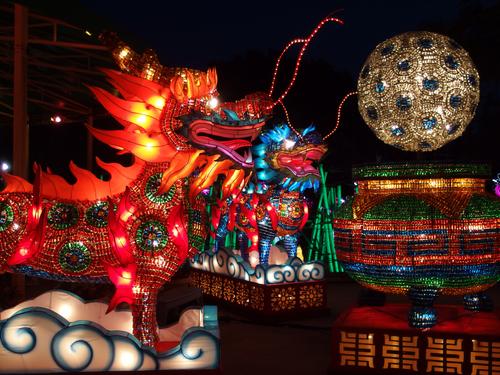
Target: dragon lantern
273	204
136	229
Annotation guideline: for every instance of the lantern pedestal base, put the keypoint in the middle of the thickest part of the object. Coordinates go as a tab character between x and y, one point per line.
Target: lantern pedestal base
291	288
266	301
378	340
59	332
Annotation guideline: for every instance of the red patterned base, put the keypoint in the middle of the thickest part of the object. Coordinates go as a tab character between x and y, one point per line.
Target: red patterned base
269	300
379	340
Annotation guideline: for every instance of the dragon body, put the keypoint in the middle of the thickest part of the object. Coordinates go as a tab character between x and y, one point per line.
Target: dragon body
136	229
273	204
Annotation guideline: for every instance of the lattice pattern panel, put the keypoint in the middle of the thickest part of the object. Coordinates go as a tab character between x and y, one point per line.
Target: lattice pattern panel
375	352
269	299
312	296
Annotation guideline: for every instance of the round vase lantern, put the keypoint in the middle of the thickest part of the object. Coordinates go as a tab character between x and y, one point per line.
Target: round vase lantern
422	230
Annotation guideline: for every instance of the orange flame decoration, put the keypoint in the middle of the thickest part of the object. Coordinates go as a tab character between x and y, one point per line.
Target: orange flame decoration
87	185
117	233
15	184
186	85
182	165
234	178
134	88
140	113
208	175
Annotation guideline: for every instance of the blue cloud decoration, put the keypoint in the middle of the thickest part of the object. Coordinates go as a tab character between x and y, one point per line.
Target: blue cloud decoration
226	263
39	340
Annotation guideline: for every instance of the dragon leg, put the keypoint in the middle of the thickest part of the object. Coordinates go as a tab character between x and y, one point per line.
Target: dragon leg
243	244
220	234
266	236
290	243
145	293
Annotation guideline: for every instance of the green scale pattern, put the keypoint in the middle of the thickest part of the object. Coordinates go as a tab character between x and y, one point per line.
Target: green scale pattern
6	216
151	190
398	170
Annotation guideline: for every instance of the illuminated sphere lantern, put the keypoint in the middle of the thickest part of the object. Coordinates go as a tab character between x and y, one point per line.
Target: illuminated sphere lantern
418	91
422	230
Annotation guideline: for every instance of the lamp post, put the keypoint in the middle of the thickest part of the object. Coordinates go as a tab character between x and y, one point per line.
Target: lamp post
20	126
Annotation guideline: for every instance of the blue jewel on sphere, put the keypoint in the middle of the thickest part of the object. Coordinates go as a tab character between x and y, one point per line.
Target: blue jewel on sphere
387	50
397	130
472	80
403	103
452	128
372	113
425	43
430	84
455	101
451	62
404	65
379	87
429	123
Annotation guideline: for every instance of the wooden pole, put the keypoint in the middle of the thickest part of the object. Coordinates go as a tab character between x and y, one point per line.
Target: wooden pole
21	132
20	155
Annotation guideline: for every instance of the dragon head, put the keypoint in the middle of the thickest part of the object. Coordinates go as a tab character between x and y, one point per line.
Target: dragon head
180	122
228	130
287	158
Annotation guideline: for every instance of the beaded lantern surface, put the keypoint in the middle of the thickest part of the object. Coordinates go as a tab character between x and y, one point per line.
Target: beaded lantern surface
136	229
273	206
421	230
418	91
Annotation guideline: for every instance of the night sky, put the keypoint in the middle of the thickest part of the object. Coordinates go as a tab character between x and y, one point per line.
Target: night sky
242	39
195	33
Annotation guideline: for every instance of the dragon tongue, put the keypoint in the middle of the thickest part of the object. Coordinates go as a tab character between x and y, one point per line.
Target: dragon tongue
237	143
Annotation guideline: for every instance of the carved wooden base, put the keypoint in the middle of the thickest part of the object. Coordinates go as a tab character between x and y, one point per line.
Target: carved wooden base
263	300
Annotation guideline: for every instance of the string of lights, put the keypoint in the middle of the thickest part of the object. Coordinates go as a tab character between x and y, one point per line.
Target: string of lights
339	112
305	44
278	61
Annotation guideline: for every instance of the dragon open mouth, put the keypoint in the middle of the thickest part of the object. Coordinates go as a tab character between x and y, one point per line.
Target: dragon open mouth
300	162
232	141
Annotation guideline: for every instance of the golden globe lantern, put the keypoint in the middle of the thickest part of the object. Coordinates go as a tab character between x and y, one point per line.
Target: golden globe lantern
418	91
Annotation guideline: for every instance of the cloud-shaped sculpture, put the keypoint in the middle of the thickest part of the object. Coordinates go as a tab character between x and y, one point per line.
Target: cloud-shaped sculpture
38	339
293	270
